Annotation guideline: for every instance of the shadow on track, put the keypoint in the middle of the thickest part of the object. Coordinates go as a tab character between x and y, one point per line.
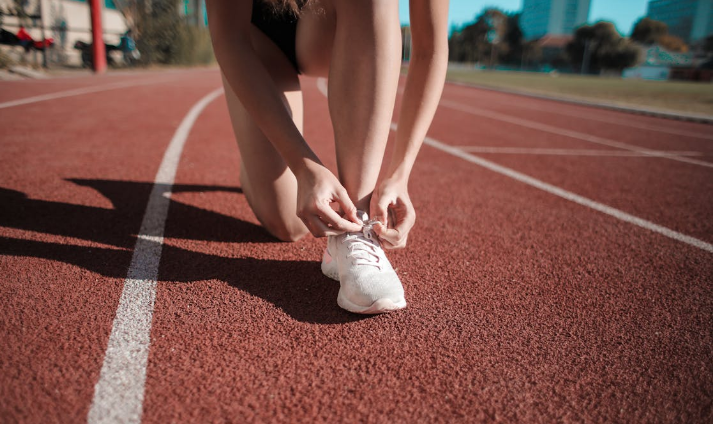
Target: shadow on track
119	225
296	287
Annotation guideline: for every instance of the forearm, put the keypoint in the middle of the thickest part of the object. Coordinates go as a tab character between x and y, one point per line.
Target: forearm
424	84
259	95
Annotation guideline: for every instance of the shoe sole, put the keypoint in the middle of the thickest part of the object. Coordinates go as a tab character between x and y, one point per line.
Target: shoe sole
380	306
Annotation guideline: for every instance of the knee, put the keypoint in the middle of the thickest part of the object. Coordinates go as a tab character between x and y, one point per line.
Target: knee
286	231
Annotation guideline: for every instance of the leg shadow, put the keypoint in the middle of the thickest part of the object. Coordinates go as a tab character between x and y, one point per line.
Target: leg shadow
296	287
119	225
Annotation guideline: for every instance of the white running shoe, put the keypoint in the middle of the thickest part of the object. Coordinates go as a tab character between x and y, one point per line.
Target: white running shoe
369	285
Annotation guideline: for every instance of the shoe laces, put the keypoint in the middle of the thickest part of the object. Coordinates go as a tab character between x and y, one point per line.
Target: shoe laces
364	246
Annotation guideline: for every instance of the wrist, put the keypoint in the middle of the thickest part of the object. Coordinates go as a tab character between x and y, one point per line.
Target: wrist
305	167
399	174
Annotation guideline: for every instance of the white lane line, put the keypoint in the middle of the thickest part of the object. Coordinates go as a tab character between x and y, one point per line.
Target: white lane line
622	122
568	195
563	152
322	86
549	188
119	393
79	92
568	133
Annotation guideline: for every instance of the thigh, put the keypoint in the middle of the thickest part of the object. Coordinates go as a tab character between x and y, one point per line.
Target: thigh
269	185
315	38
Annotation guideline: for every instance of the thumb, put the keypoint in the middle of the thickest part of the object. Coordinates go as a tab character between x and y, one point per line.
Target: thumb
381	212
350	211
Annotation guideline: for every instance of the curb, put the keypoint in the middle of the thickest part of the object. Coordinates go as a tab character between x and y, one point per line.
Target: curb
27	72
691	117
9	76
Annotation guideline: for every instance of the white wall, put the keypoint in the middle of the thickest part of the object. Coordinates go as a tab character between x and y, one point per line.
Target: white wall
76	17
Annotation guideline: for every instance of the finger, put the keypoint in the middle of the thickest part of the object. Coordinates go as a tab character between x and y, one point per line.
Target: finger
336	222
391	246
382	210
387	246
350	211
390	235
319	228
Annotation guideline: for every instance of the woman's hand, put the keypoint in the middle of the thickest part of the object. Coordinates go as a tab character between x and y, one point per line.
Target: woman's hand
317	190
391	206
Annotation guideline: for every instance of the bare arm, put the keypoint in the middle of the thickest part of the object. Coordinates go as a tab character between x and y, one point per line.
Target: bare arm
248	77
317	187
427	70
424	83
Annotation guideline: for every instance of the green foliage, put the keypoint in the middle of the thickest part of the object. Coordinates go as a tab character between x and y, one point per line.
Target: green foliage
494	36
164	37
648	31
5	60
195	47
603	47
473	44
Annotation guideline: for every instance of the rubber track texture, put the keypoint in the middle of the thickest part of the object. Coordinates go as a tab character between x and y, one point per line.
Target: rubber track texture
523	307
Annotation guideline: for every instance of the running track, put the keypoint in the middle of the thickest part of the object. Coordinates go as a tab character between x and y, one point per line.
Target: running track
560	271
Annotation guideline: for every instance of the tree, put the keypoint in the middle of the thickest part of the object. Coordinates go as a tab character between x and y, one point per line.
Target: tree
648	31
469	44
514	40
485	40
163	35
672	43
599	46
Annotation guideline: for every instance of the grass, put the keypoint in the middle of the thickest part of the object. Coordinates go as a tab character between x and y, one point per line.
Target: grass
682	97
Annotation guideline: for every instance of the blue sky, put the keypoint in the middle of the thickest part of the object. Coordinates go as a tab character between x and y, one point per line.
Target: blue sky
624	13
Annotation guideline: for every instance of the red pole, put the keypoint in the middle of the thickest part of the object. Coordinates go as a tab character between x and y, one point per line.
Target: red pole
98	48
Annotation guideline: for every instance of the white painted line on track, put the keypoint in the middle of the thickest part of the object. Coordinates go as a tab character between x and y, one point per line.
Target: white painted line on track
78	92
627	123
119	393
564	152
568	133
322	85
568	195
549	188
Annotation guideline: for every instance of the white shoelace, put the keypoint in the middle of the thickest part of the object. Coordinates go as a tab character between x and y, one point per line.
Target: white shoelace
364	245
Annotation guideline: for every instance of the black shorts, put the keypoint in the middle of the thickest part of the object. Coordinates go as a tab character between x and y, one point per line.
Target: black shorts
280	27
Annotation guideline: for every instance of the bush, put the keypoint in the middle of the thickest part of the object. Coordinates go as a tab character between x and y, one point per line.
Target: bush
5	60
165	37
195	47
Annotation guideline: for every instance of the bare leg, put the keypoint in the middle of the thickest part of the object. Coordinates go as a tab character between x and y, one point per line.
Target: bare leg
363	63
267	182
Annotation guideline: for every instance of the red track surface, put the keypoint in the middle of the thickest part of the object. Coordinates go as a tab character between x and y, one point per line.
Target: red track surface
523	306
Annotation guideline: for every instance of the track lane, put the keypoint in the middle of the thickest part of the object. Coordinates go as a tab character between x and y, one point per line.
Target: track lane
617	118
19	93
672	194
72	199
524	307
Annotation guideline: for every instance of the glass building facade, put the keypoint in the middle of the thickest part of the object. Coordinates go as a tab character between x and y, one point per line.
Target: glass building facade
552	17
690	20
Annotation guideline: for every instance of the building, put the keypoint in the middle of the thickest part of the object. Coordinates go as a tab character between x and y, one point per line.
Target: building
658	63
64	21
691	20
552	17
195	13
